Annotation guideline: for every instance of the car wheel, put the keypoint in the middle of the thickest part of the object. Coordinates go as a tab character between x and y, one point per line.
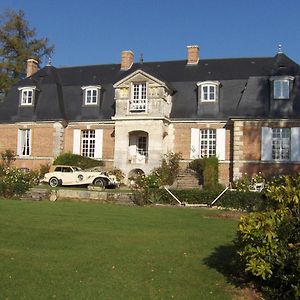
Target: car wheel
100	182
53	182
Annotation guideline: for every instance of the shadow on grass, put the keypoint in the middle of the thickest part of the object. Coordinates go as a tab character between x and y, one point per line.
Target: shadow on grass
226	261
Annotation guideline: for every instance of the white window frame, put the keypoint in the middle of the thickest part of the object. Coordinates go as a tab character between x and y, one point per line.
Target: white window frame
24	97
77	142
138	102
24	142
218	142
212	89
281	82
88	143
281	145
91	100
208	142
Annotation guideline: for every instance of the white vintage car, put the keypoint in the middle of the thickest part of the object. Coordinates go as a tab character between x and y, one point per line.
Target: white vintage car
71	175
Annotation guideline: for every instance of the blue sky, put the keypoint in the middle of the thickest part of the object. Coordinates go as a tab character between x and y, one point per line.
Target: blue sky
95	32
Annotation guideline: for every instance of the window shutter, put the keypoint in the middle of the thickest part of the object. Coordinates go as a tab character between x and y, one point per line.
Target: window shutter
30	142
220	143
98	143
76	141
19	145
266	143
295	144
194	143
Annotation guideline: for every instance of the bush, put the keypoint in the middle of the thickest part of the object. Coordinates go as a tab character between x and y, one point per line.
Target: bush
8	157
169	168
118	173
207	169
246	201
146	188
269	241
77	160
14	182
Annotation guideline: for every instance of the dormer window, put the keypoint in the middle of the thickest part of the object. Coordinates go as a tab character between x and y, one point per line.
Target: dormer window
91	95
27	95
208	91
281	89
138	102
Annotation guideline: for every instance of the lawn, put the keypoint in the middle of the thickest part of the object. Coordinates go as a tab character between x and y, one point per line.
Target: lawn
68	250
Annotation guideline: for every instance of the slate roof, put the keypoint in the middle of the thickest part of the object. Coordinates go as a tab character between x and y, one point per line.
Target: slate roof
244	90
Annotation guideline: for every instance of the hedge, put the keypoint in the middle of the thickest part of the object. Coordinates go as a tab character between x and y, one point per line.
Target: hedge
247	201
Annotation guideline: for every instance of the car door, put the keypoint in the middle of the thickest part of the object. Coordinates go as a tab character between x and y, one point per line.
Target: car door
68	175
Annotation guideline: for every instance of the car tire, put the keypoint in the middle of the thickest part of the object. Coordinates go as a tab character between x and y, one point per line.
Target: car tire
53	182
100	182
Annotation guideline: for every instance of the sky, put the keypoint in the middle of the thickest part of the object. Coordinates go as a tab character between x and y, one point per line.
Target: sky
88	32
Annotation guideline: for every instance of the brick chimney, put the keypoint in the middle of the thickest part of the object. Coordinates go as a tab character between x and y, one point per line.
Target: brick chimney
193	55
126	60
32	67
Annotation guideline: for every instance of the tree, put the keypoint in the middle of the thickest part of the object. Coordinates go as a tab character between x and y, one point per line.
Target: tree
18	42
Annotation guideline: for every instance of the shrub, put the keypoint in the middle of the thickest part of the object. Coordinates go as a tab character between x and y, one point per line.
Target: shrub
77	160
169	168
246	201
244	183
14	182
8	156
207	169
118	173
43	170
145	188
268	241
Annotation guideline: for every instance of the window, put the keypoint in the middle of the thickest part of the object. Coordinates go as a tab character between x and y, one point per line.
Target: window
281	89
24	142
208	91
142	145
27	95
207	142
91	94
138	103
88	143
281	143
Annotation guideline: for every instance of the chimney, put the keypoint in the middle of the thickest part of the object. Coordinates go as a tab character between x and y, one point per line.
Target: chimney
126	60
32	67
193	55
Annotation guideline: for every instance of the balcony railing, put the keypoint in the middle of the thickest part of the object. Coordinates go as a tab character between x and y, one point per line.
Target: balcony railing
137	155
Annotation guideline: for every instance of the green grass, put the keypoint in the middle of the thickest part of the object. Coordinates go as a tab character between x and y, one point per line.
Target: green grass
67	250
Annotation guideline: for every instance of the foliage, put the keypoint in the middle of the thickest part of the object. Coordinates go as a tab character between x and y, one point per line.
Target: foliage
269	242
18	42
118	173
207	169
246	201
77	160
245	183
43	170
8	156
14	182
169	168
145	188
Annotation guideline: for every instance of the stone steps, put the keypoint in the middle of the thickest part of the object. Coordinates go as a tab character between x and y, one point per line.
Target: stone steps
187	179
